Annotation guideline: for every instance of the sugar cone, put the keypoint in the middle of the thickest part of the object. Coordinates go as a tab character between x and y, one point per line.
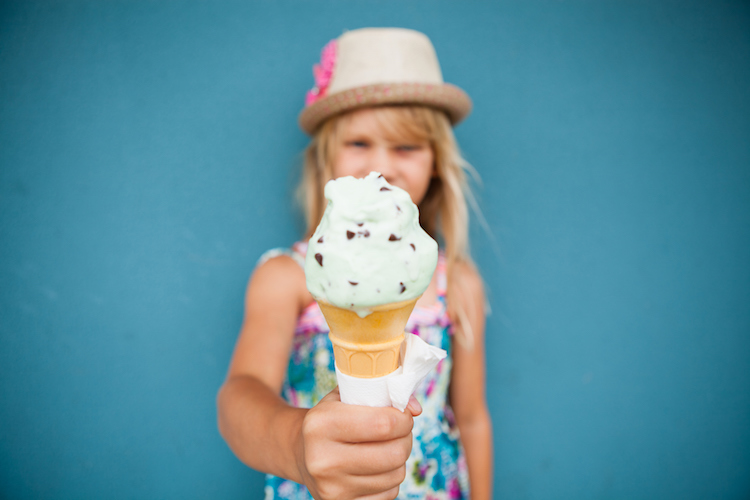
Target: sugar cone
371	346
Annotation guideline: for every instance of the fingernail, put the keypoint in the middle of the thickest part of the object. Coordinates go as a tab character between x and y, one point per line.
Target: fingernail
414	406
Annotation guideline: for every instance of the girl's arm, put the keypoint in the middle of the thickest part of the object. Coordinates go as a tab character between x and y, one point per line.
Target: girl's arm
467	391
336	450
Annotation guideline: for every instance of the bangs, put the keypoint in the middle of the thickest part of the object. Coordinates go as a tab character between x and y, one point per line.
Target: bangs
407	123
403	123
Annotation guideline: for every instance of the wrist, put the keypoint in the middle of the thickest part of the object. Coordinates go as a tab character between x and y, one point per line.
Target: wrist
296	468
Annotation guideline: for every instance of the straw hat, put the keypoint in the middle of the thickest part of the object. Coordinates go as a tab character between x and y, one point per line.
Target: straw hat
379	66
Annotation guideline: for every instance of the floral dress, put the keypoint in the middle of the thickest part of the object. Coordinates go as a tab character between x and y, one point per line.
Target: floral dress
436	468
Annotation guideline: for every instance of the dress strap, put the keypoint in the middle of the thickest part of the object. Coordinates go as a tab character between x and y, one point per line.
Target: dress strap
289	252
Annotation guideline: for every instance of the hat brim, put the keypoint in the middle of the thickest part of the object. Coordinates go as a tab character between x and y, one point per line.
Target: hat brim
449	98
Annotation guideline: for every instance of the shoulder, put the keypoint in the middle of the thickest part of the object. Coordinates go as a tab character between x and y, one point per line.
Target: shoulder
279	276
467	307
282	263
465	272
468	284
279	266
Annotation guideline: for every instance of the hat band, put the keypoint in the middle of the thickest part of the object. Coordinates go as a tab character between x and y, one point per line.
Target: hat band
449	98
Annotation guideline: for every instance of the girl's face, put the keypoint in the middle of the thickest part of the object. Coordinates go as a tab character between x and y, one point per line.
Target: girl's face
363	145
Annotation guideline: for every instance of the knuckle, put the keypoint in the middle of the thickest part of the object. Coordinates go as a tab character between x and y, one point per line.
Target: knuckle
409	445
383	425
401	474
326	491
397	455
315	468
312	425
406	451
393	493
318	463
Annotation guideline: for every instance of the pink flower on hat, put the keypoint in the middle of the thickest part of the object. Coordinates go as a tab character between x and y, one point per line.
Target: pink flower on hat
322	73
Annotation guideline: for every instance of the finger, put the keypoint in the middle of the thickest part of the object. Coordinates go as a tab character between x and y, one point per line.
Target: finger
381	457
361	424
378	484
386	495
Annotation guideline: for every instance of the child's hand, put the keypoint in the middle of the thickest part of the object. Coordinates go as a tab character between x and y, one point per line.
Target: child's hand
352	452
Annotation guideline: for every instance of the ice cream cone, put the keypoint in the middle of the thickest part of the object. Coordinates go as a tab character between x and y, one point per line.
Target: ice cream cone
371	346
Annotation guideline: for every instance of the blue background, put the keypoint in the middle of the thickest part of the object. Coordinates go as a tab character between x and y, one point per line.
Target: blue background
148	151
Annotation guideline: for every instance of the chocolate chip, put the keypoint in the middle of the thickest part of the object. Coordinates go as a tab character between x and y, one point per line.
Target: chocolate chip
398	208
393	237
354	283
413	247
381	176
366	234
360	224
385	189
319	258
320	240
403	288
349	235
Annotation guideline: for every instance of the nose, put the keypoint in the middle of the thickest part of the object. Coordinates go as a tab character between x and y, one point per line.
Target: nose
382	161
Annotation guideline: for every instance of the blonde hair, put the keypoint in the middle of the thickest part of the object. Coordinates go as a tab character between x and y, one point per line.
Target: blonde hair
443	212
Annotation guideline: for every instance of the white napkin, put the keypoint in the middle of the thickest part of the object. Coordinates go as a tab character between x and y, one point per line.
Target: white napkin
395	388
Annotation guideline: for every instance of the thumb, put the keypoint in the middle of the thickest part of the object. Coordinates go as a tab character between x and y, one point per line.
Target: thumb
414	407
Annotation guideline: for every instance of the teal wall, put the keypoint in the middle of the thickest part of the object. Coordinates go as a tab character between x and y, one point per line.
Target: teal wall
147	155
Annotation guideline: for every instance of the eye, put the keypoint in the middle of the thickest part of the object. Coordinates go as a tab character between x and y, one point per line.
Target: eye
357	144
405	148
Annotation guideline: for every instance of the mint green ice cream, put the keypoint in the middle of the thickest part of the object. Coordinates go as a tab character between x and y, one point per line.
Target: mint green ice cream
369	248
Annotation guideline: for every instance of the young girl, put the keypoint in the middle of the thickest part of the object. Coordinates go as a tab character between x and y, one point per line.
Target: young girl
379	105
